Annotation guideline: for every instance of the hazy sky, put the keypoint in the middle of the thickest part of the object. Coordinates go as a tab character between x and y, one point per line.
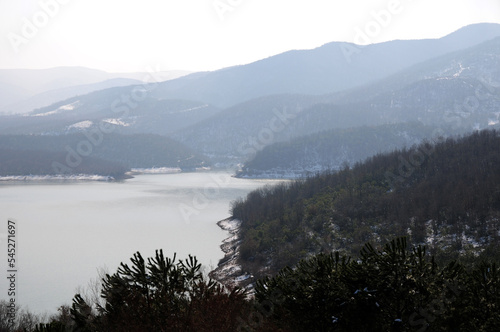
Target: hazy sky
131	35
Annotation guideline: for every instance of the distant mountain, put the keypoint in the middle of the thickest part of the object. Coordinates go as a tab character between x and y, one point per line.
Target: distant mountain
319	71
111	107
456	92
238	132
40	80
428	81
26	89
10	93
52	96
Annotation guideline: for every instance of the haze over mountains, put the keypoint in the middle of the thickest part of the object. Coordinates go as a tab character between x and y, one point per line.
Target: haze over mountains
23	90
329	68
417	86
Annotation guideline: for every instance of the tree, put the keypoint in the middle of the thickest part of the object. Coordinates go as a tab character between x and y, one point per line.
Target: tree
160	294
14	318
393	289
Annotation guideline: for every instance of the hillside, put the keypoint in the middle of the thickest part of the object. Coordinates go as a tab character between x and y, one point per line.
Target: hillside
236	133
456	92
39	164
23	90
131	151
331	150
319	71
50	97
444	195
123	113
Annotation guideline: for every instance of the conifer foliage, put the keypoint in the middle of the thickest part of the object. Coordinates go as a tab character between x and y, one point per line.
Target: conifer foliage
160	294
393	289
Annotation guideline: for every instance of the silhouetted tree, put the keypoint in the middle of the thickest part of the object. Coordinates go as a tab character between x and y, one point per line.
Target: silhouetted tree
160	294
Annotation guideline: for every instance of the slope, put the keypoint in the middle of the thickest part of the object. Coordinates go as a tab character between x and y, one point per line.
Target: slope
130	112
319	71
331	150
34	88
445	195
456	92
132	151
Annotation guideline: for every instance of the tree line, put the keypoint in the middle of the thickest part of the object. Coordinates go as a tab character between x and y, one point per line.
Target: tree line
35	162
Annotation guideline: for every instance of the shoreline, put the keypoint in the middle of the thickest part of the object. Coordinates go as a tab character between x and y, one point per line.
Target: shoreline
97	177
75	177
228	272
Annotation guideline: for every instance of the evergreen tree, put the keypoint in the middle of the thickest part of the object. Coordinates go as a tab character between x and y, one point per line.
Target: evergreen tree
160	294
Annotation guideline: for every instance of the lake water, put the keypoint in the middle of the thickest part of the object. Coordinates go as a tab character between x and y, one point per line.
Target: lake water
66	231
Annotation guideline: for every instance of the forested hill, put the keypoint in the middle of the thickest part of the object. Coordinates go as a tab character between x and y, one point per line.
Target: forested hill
20	164
36	154
444	194
332	149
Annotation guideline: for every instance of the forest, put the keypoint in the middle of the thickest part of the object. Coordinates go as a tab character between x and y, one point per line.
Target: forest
444	194
94	152
37	162
394	287
330	149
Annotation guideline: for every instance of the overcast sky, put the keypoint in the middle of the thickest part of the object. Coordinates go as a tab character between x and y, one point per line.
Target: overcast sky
132	35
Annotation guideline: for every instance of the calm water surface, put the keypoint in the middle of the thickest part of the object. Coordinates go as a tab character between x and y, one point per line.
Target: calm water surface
66	231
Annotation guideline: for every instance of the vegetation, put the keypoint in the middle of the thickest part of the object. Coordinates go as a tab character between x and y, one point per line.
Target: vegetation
160	294
394	288
35	162
35	154
445	195
333	148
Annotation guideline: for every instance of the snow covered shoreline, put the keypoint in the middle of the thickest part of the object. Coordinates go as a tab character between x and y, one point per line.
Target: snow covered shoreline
95	177
73	177
228	271
156	170
165	170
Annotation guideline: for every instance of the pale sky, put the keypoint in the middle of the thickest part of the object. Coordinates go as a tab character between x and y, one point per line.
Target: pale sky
132	35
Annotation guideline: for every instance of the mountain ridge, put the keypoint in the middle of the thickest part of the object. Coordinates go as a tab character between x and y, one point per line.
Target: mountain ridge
376	57
29	86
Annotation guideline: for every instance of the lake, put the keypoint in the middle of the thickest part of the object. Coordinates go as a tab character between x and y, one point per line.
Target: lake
66	231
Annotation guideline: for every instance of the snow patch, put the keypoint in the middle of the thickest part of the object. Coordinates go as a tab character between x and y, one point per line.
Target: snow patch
191	109
230	225
67	107
228	270
460	70
117	122
81	125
